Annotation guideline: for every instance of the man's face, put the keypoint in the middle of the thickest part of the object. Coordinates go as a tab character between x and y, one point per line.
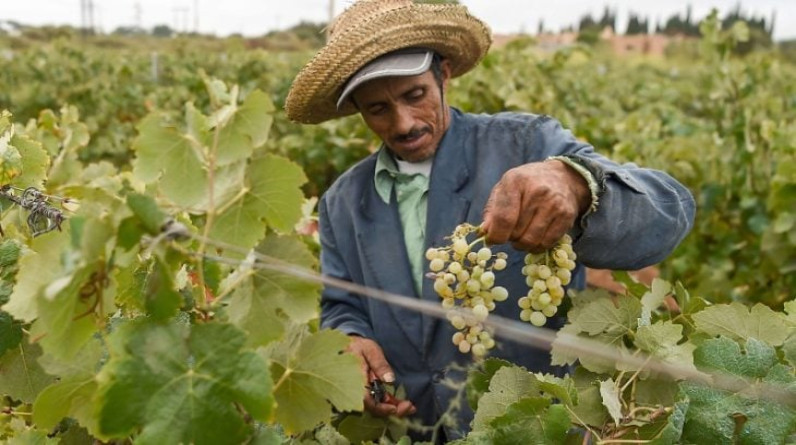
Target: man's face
407	113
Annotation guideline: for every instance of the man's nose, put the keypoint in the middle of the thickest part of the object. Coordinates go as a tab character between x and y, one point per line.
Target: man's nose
402	120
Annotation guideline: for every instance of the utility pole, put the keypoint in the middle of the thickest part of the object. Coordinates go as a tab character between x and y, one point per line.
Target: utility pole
138	15
83	20
196	16
90	4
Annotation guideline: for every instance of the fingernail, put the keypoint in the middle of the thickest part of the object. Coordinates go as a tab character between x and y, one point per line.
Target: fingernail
388	377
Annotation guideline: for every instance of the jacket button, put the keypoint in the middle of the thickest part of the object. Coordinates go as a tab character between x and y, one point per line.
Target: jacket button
437	376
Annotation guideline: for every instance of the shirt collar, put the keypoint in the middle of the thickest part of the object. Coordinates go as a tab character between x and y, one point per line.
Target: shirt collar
388	169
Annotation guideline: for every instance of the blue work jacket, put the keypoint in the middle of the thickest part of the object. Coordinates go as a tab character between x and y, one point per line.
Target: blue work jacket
642	215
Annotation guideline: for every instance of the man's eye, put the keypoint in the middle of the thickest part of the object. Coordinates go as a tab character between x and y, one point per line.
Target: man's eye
417	93
376	110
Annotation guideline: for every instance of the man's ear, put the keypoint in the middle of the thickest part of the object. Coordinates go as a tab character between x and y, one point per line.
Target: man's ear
445	67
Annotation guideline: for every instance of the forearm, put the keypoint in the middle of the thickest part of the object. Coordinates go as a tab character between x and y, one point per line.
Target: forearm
642	216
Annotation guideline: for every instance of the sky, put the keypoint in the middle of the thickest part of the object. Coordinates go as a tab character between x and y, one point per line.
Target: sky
256	17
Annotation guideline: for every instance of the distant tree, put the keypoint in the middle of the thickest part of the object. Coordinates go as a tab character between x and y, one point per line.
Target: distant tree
128	31
636	25
587	23
162	31
540	28
608	20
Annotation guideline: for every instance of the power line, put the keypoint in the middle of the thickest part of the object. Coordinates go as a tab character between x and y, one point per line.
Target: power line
502	327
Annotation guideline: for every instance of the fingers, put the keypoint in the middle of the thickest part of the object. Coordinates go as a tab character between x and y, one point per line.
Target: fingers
372	359
533	206
390	407
375	366
502	210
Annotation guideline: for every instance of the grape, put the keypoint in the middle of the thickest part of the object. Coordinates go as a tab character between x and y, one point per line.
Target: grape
455	267
461	247
458	322
546	275
550	310
544	299
479	350
544	272
499	293
458	338
538	318
484	254
488	279
480	312
466	279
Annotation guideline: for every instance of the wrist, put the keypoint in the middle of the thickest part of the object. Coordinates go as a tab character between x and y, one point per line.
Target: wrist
581	182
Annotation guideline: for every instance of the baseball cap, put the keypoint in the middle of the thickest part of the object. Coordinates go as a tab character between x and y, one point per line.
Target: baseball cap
406	62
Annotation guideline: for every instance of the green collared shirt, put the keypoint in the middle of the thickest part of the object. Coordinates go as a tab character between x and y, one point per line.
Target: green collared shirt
411	192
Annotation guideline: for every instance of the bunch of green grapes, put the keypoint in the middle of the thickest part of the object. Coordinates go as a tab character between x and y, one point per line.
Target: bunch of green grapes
546	275
464	279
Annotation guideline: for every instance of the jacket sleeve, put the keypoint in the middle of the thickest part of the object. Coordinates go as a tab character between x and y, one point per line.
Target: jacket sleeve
340	309
642	214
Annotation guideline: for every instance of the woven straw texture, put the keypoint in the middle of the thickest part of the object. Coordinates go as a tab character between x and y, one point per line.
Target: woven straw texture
371	28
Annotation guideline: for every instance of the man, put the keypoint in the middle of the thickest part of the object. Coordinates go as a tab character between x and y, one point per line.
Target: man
528	180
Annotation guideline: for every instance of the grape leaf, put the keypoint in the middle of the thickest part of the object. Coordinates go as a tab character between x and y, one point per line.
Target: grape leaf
719	416
182	383
67	307
21	376
609	393
314	377
653	299
146	209
564	354
673	429
736	321
531	420
247	129
634	287
364	428
38	267
272	193
260	295
10	159
70	397
661	341
478	379
164	154
10	332
562	389
509	385
35	162
603	316
33	437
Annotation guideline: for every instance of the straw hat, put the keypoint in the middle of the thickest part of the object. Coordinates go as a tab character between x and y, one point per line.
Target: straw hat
371	28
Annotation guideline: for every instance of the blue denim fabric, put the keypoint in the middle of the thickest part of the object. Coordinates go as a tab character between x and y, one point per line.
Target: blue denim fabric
643	214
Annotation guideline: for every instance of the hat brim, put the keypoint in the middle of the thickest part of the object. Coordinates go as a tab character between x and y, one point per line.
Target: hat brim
447	29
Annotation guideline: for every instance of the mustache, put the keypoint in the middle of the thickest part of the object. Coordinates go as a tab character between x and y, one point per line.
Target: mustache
413	133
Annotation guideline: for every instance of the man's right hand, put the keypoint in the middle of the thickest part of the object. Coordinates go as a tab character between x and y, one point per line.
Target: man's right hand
375	366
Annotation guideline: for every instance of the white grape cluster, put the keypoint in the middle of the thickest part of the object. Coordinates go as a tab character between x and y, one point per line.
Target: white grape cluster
546	275
465	280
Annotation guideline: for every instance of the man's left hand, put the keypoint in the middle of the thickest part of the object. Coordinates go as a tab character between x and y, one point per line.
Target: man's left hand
535	204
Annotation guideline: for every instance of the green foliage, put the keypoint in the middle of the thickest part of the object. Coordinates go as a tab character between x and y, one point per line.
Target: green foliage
181	383
131	323
745	416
